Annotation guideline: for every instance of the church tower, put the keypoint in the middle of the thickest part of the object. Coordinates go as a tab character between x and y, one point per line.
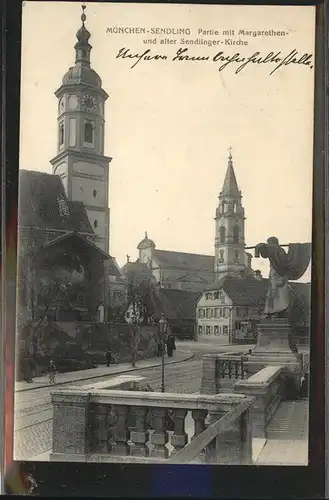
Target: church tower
80	160
230	257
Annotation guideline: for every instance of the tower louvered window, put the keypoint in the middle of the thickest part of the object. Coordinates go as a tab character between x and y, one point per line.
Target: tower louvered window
222	234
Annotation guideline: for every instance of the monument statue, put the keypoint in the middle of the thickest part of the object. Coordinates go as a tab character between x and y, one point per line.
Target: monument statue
284	266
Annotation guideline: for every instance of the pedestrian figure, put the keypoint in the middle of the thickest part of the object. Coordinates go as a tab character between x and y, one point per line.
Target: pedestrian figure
170	345
108	356
304	387
51	371
29	369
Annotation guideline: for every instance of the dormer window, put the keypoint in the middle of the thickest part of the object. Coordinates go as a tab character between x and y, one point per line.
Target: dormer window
63	207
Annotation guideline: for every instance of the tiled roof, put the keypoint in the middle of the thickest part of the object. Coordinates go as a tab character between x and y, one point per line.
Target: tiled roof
249	291
182	260
174	304
39	193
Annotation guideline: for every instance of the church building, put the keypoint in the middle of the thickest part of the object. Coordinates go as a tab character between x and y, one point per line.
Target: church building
64	265
195	272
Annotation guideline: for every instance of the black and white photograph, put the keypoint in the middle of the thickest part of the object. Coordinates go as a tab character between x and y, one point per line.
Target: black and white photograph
164	234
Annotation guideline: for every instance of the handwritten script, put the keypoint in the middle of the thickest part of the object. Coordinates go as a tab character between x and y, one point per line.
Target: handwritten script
275	60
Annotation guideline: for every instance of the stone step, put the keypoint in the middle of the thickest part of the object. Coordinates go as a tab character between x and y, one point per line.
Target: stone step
290	421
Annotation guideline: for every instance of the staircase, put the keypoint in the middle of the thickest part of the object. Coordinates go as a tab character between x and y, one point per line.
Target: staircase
290	421
287	439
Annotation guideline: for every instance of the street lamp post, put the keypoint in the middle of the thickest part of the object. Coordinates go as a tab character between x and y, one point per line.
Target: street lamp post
163	324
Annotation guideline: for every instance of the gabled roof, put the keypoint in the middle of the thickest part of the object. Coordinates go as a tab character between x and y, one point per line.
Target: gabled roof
182	260
80	246
249	291
39	193
174	304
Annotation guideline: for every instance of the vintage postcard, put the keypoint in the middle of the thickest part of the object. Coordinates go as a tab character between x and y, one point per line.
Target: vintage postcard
165	229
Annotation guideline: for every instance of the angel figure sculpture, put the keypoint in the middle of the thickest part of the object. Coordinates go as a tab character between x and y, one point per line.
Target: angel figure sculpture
284	266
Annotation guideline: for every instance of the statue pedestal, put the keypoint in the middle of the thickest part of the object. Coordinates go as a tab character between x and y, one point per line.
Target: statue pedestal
273	349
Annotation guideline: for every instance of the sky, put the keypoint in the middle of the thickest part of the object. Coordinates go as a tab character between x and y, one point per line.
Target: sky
169	125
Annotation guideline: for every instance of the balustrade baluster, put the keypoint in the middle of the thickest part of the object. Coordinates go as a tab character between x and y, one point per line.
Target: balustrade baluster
159	438
199	417
139	435
229	369
121	432
179	437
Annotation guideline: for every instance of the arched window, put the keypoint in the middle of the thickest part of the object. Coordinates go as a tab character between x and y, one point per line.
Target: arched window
237	256
221	256
236	234
95	224
234	206
222	234
89	132
224	206
94	193
61	133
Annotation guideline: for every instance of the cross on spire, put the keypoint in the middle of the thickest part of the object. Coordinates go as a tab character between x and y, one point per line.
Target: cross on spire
83	15
230	152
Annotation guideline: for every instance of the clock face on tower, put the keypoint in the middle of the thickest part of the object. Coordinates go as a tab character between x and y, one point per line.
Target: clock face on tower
89	102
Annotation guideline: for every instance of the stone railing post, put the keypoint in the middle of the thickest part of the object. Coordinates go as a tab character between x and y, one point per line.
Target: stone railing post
139	435
179	437
98	422
71	425
246	438
210	376
260	387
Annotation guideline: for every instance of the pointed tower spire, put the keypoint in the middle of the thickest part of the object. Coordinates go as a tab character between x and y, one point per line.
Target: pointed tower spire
230	186
82	47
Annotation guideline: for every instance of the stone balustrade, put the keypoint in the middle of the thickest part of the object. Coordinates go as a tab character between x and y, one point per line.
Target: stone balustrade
116	425
268	387
221	366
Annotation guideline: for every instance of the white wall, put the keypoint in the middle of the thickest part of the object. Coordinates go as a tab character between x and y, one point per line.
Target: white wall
82	190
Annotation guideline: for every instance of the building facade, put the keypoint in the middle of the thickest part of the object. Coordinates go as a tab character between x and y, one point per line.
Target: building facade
80	160
233	306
